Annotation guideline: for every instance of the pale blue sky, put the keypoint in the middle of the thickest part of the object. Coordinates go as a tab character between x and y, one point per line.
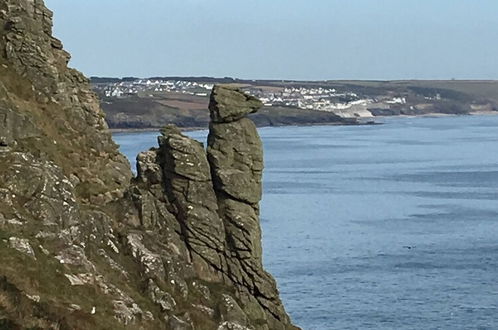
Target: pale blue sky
282	39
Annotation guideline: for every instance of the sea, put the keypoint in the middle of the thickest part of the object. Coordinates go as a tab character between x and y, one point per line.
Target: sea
391	226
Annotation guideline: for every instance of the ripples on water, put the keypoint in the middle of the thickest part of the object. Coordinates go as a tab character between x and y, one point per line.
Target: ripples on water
392	226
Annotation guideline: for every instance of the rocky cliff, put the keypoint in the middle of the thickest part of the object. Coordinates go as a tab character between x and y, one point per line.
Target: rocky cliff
83	243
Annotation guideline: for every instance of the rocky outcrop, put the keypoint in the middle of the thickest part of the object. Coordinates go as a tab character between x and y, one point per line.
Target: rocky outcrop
235	153
214	199
190	189
83	244
229	104
59	114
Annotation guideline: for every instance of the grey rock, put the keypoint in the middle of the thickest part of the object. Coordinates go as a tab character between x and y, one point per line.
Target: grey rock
14	126
204	309
22	245
183	234
235	153
232	326
160	297
150	262
148	168
229	103
75	255
57	103
176	323
190	189
231	311
40	187
127	313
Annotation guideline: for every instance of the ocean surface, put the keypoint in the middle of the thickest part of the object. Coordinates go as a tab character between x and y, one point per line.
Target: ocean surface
391	226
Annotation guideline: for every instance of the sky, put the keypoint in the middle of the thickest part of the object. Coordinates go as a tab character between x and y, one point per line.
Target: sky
281	39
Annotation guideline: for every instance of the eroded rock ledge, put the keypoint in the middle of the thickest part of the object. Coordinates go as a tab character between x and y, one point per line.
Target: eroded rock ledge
83	245
214	197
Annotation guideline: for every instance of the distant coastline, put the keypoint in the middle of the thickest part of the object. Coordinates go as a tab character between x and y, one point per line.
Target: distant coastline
152	129
140	105
364	122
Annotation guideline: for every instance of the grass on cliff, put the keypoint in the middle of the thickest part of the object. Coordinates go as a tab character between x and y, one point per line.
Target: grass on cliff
45	278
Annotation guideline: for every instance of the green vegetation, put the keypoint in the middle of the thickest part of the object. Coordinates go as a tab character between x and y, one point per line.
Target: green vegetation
156	109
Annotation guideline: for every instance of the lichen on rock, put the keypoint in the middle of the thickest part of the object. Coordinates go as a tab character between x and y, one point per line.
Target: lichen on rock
228	104
178	246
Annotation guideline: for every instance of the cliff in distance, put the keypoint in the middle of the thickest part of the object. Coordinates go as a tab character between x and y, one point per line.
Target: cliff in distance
83	243
133	103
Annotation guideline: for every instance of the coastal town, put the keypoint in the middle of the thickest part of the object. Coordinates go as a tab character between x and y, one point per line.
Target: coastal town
343	103
153	86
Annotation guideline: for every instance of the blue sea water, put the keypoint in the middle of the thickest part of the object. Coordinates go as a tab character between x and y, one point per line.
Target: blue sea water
391	226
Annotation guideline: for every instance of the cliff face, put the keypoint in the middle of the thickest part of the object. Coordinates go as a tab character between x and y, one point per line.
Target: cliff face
83	245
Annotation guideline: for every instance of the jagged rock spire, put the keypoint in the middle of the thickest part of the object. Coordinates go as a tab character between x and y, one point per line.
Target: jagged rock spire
83	244
235	154
215	201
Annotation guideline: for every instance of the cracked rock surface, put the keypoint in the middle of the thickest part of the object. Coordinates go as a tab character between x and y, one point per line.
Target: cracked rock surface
83	243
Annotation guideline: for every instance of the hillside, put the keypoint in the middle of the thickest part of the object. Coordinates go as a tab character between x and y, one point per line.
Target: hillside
153	102
86	245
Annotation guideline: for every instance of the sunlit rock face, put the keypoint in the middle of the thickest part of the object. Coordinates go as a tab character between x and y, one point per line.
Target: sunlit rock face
83	244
